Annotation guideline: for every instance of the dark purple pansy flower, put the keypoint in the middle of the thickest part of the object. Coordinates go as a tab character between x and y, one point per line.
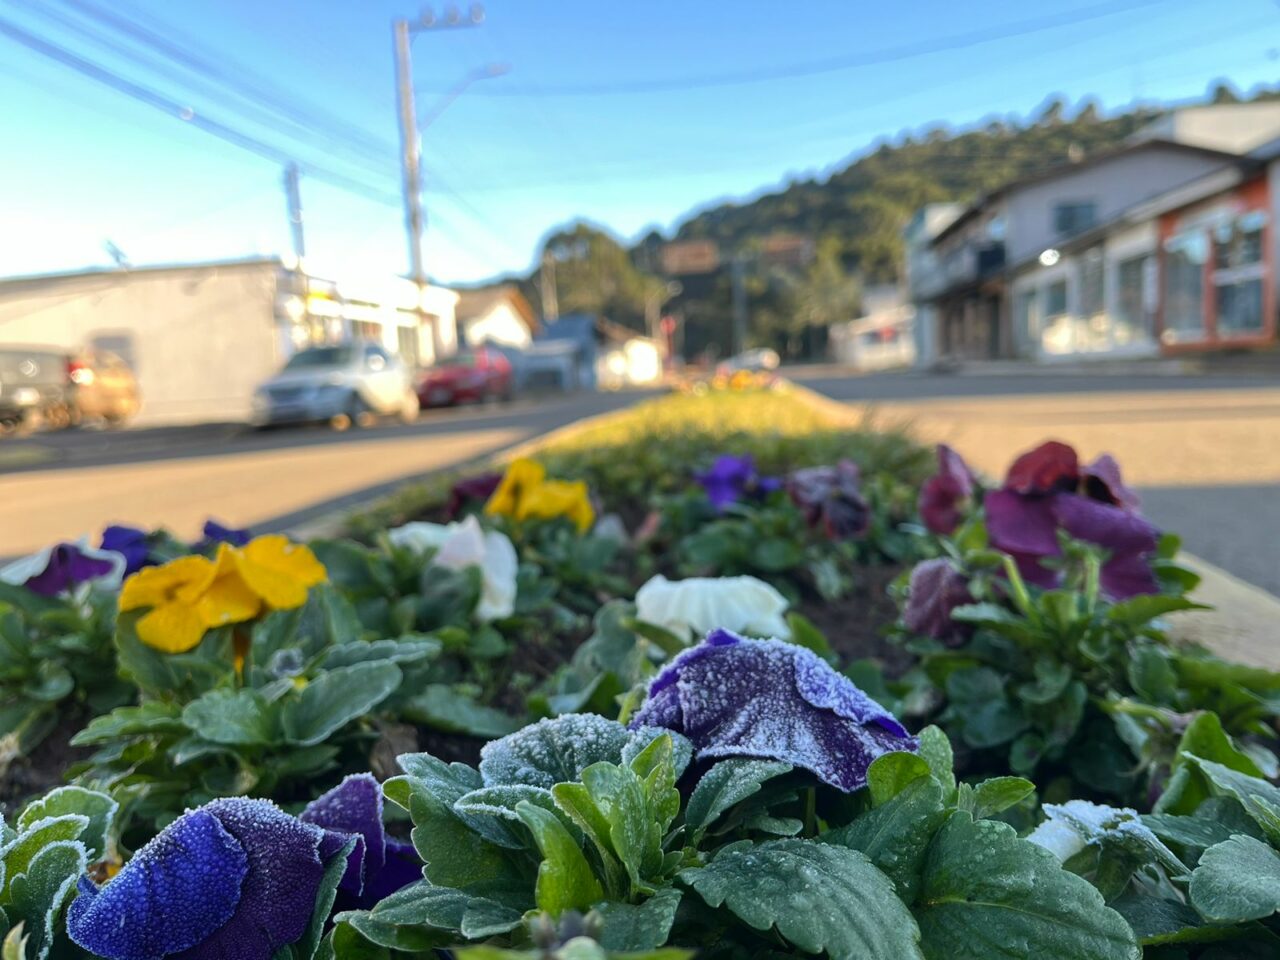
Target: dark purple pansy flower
379	865
936	589
236	879
215	533
734	478
68	567
831	498
1045	492
945	495
131	543
772	700
472	491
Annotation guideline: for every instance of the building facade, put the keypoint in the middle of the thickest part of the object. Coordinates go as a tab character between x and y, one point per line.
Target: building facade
201	337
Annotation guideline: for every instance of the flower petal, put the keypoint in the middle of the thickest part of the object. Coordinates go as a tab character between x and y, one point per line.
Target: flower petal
176	892
1049	467
172	627
697	605
772	700
1021	524
521	475
1102	482
354	807
1108	526
156	585
279	571
940	503
936	589
1127	575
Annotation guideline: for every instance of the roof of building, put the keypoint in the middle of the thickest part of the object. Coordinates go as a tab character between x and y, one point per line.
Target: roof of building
106	271
1068	167
478	302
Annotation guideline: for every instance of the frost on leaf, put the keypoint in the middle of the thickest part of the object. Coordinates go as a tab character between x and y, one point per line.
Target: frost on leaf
552	751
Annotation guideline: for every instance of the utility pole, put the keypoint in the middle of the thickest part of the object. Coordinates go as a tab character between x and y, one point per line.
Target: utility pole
403	32
547	282
293	197
738	278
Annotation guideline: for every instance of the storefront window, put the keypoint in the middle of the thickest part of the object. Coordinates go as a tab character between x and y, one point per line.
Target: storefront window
1237	275
1026	326
1185	257
1132	321
1058	336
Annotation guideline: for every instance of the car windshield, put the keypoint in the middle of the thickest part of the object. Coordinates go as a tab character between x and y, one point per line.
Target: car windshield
462	360
320	357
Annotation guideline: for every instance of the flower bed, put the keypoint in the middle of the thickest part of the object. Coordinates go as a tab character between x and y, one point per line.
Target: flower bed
717	675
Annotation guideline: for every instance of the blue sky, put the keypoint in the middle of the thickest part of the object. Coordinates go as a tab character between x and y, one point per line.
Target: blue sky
626	114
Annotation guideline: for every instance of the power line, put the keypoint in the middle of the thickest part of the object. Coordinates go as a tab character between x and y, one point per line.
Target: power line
173	108
812	68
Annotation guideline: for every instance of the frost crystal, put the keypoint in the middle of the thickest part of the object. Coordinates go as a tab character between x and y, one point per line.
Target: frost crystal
552	751
772	700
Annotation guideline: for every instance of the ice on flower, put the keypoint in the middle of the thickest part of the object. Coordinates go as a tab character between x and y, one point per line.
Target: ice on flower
1070	827
936	589
467	544
236	879
552	751
379	865
734	697
695	606
61	568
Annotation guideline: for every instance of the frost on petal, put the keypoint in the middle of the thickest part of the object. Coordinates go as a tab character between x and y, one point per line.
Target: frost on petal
552	751
279	892
1059	837
354	807
936	589
772	700
177	891
695	606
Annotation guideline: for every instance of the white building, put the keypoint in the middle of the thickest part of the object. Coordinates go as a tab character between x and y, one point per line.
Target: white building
883	338
201	337
499	316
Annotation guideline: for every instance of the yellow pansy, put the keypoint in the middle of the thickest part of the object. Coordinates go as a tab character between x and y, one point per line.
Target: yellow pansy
522	476
191	595
559	498
175	622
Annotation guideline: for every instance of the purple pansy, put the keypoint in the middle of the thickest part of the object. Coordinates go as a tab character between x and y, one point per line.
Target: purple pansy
472	491
131	543
379	865
945	495
215	533
936	589
68	566
772	700
734	478
1047	491
236	879
831	498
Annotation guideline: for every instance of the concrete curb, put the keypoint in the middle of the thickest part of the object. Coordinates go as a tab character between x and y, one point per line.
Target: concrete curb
1243	625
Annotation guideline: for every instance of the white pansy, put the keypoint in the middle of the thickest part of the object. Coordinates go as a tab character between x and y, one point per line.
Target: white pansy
20	571
467	544
691	608
1059	837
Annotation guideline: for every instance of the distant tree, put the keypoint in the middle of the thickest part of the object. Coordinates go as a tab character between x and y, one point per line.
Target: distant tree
594	273
1053	112
1089	113
1223	92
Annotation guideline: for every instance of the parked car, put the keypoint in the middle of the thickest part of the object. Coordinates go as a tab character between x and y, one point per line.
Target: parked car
472	375
33	387
758	359
343	384
102	387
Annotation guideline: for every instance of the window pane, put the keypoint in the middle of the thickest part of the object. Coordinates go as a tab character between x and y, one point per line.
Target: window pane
1055	299
1240	308
1184	288
1132	321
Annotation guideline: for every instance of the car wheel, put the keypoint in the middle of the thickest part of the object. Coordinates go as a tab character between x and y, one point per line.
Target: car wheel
410	409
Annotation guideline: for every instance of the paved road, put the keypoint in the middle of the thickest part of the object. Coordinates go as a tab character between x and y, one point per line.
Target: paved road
176	477
1204	451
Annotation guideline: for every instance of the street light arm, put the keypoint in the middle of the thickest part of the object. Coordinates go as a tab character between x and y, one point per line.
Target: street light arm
454	92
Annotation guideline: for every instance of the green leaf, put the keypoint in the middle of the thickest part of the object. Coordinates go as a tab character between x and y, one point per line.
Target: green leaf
892	773
1205	738
999	794
454	854
805	634
1237	880
18	854
336	698
1151	674
421	904
645	926
985	894
635	836
1156	920
554	751
1261	800
402	650
727	783
239	717
442	707
565	879
819	896
935	748
1143	609
99	808
151	718
896	835
354	927
37	893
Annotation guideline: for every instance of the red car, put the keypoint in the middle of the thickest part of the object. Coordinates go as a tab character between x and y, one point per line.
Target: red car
473	375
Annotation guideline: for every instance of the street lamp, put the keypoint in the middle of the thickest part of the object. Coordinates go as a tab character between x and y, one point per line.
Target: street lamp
488	72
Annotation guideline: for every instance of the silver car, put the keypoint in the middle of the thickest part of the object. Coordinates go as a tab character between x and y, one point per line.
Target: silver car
343	384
